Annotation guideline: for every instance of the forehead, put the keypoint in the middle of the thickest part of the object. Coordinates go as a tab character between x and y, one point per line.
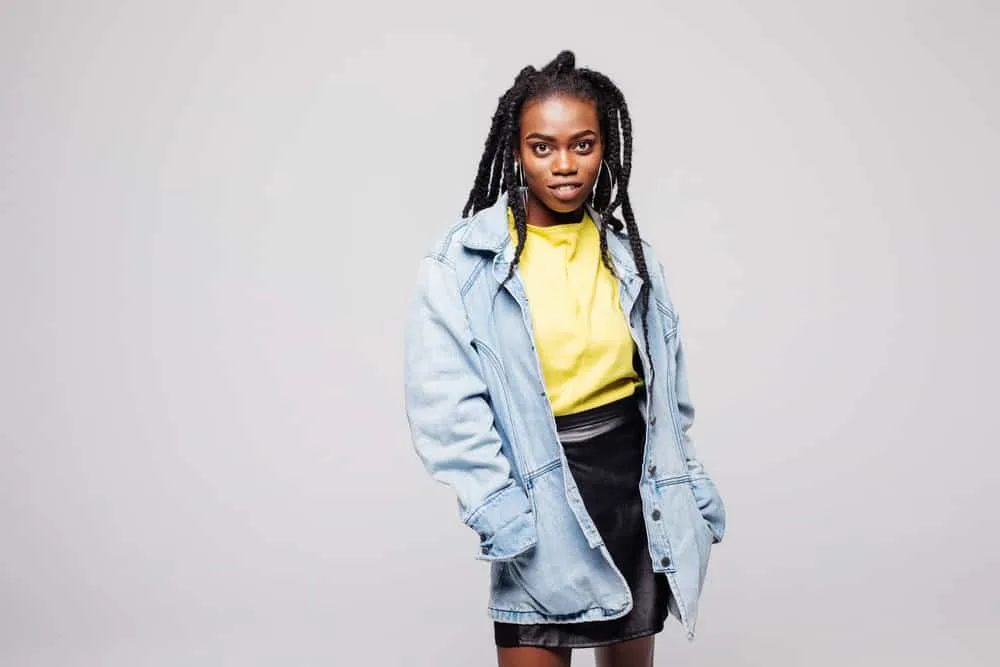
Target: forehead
558	114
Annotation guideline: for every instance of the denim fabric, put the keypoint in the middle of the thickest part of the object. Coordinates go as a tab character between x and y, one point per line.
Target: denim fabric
481	423
606	468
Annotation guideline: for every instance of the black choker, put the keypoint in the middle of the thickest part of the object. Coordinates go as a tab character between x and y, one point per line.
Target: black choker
567	218
559	218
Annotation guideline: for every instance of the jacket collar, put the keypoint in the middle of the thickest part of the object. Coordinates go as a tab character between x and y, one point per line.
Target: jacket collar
487	231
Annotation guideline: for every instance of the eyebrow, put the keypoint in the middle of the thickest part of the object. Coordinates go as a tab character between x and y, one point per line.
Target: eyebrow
545	137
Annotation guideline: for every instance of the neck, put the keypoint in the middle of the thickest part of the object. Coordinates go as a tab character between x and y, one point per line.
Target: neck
540	215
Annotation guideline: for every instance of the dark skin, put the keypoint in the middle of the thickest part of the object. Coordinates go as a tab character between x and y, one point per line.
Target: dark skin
560	143
560	153
633	653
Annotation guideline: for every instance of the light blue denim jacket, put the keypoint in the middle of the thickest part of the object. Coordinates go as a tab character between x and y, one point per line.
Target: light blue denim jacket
482	424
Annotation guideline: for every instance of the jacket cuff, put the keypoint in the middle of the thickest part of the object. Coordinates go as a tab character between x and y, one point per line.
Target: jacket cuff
505	524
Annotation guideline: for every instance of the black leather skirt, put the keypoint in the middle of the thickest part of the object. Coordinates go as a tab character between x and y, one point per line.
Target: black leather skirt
606	464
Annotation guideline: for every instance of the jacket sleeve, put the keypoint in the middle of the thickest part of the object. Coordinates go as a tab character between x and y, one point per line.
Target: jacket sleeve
705	492
451	422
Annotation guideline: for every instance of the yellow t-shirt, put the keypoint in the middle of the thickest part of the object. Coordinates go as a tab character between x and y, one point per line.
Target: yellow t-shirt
581	335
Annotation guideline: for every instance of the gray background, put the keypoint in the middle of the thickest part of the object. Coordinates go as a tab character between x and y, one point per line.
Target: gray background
212	215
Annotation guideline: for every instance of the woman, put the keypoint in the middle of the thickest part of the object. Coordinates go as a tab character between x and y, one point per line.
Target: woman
545	384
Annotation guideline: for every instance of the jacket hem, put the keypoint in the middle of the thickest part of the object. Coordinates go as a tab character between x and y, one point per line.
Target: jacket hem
528	617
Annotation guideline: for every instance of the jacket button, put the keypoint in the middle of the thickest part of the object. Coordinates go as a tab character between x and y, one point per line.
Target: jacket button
652	420
652	471
665	562
656	515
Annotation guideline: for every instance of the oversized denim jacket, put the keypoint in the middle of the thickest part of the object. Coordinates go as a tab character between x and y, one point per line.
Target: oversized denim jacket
482	424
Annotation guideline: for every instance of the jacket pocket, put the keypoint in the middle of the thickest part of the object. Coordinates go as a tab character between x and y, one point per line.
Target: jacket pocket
547	587
703	538
689	535
562	576
551	576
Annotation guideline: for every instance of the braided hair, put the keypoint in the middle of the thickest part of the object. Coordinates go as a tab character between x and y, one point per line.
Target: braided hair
496	173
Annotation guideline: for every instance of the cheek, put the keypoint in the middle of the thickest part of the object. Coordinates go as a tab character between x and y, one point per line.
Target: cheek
592	167
535	170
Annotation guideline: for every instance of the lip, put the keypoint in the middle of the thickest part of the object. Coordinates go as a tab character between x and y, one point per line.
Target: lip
566	191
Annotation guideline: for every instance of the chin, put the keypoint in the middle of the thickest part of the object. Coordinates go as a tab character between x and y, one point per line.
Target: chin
560	206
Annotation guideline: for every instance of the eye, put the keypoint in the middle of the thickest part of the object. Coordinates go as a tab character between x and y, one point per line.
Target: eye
540	149
585	146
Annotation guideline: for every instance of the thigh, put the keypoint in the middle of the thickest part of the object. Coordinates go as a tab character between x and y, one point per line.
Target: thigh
530	656
633	653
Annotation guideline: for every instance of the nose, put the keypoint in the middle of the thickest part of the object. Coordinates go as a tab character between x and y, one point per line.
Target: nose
564	164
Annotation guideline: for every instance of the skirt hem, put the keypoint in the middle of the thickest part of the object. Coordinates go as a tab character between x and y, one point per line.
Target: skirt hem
587	643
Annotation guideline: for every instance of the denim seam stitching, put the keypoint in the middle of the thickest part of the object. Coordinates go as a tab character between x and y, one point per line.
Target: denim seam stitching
673	481
444	260
494	360
538	472
473	274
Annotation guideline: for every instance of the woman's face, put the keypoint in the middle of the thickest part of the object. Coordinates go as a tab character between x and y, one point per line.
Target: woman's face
560	150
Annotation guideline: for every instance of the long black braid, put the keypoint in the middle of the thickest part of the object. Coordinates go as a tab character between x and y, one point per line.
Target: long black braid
496	174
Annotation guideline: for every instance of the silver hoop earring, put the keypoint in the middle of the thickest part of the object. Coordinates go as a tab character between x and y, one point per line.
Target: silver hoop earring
519	175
